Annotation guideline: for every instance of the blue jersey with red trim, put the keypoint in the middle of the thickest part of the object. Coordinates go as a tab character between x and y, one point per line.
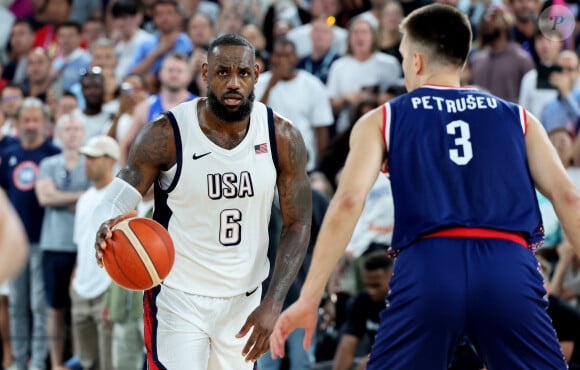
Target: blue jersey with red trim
457	157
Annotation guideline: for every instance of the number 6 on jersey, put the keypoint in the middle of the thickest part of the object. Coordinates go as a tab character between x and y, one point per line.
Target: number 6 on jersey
230	227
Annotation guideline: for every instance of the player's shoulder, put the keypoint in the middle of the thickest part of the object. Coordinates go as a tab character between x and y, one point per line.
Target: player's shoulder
186	105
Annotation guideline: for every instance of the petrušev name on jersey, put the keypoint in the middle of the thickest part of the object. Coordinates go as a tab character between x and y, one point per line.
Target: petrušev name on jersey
229	185
470	102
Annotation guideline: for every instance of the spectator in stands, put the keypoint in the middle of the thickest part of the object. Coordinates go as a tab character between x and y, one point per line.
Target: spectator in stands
131	93
363	316
126	17
21	40
66	105
174	78
46	16
97	121
254	35
302	35
38	80
322	53
565	319
169	37
535	89
11	96
274	14
18	175
500	64
526	14
388	32
82	10
309	109
201	30
373	15
333	157
564	110
61	181
91	330
66	66
231	18
361	74
190	7
93	29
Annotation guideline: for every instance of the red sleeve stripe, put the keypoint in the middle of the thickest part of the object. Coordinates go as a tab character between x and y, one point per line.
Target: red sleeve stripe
524	119
384	123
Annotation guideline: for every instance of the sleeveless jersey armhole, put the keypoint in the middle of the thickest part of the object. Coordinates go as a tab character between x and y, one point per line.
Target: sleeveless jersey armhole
272	134
386	128
178	151
524	120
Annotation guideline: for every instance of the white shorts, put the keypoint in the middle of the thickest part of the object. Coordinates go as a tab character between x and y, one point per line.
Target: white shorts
4	288
185	331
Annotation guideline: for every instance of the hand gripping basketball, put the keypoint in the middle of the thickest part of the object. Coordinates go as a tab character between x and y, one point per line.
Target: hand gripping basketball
140	253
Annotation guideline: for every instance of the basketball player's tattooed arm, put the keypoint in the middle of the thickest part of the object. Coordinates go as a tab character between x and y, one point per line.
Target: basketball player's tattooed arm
296	206
153	152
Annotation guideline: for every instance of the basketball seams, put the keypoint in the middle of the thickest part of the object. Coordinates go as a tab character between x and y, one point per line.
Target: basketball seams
142	253
120	269
166	242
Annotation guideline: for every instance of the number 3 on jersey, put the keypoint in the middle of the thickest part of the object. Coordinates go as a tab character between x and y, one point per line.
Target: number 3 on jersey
460	130
230	227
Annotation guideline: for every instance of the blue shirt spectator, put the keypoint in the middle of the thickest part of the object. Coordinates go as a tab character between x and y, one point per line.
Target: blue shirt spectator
562	112
182	45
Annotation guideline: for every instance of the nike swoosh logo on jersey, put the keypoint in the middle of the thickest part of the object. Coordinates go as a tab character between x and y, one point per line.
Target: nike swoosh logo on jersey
195	156
252	292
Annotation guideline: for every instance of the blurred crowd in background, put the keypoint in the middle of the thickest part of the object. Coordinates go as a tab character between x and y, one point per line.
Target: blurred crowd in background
91	73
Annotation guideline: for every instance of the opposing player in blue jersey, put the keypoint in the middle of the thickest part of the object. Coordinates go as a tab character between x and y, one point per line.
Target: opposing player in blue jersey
463	165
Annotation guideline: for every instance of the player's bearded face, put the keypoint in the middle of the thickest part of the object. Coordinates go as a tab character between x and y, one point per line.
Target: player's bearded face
227	114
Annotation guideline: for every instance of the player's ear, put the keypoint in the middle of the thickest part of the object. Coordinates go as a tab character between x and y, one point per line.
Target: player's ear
204	72
256	71
418	62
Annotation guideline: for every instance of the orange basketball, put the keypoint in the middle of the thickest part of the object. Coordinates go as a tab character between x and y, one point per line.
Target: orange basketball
140	254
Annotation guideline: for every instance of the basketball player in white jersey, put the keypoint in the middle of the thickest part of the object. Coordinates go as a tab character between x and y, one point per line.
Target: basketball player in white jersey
215	163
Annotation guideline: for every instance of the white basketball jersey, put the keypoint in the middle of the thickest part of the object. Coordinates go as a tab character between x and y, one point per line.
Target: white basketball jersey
217	206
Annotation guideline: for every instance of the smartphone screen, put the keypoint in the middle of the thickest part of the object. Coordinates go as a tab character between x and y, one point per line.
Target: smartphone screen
544	73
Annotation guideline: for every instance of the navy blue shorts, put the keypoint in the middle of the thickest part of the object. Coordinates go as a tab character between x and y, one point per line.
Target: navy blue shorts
444	289
57	268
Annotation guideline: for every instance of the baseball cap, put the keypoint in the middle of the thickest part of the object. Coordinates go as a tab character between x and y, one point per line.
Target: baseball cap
100	146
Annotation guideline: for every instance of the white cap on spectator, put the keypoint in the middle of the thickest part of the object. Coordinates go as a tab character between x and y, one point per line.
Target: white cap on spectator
102	145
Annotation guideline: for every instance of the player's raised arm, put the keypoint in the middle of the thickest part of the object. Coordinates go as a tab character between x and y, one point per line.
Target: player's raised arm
367	152
152	152
551	180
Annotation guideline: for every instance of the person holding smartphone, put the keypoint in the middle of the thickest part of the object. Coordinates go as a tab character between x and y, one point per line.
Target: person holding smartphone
564	110
535	88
